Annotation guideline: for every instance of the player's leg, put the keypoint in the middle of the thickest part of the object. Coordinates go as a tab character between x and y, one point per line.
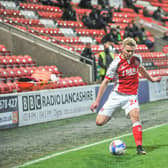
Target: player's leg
131	107
136	126
102	119
137	130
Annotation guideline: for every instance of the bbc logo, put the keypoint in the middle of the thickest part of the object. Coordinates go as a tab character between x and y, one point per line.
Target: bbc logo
32	102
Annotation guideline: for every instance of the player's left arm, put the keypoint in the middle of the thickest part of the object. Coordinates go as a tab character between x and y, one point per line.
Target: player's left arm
146	75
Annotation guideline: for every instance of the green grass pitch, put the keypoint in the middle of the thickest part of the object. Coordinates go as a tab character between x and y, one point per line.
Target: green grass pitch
98	156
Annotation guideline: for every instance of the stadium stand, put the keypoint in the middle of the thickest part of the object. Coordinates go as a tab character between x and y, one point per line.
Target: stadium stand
16	70
45	22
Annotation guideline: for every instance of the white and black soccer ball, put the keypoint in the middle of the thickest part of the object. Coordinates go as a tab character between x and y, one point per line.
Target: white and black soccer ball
117	147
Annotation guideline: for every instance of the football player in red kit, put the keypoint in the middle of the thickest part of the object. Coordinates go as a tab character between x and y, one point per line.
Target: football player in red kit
124	70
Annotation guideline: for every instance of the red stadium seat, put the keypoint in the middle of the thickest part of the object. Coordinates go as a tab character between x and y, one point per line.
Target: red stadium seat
125	15
9	13
51	31
4	88
127	10
62	83
50	15
90	32
39	7
4	73
11	73
18	72
12	86
78	81
70	40
80	12
32	22
72	24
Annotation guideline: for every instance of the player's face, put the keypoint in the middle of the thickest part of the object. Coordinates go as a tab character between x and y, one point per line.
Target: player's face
128	51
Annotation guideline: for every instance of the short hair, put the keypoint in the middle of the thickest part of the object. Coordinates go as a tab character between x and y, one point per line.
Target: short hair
129	41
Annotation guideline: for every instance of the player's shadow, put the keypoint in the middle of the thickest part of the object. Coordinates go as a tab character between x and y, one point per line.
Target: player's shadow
149	148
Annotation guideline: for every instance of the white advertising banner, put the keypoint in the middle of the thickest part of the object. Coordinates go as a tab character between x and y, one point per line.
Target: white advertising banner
8	110
48	105
6	118
158	90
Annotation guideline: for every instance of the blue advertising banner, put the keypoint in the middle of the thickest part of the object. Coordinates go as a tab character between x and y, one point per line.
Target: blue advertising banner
143	92
105	96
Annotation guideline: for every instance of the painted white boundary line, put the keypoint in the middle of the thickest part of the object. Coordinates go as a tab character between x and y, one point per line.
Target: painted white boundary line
82	147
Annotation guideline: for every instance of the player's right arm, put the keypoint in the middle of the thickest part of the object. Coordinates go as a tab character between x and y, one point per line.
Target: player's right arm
102	88
146	75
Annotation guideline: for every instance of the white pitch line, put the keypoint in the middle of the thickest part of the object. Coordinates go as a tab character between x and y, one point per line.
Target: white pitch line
81	147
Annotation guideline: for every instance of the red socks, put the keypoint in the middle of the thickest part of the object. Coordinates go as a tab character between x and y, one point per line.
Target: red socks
137	132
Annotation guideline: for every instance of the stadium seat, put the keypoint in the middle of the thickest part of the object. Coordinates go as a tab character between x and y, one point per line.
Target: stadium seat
78	81
98	39
2	48
70	24
18	72
124	15
29	14
62	83
127	10
4	73
48	23
11	73
3	61
68	82
32	22
30	70
39	7
4	88
43	30
89	32
12	86
122	20
50	15
70	40
10	13
8	4
21	27
80	12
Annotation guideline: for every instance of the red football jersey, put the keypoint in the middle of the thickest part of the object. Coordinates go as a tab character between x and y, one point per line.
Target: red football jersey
125	73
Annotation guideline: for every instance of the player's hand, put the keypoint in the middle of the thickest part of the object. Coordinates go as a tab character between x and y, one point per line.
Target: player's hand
156	79
94	106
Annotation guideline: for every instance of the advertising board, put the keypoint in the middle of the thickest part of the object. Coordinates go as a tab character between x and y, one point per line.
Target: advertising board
48	105
159	90
8	111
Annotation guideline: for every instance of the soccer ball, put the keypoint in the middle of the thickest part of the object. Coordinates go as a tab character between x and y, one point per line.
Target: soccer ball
117	147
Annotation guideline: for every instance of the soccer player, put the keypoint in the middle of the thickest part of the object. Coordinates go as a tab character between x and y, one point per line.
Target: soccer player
125	71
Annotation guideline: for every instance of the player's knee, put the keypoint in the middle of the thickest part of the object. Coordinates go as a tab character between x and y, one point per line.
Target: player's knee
134	115
134	118
101	120
99	123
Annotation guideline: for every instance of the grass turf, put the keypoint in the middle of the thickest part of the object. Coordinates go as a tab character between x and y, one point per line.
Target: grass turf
98	156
